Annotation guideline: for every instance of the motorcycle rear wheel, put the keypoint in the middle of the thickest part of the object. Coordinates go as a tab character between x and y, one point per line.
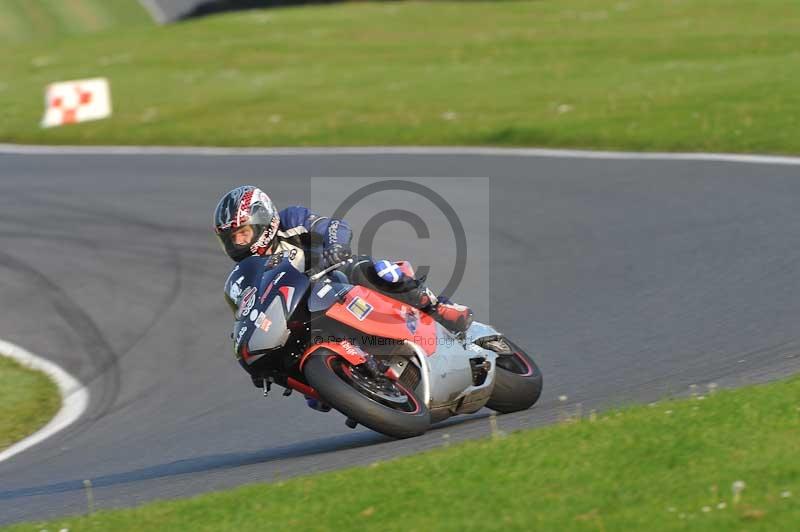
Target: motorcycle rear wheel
390	409
518	382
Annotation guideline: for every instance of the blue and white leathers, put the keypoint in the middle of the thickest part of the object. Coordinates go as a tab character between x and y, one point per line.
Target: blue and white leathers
303	232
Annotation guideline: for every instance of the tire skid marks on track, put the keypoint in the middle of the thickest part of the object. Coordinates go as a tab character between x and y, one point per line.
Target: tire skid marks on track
101	354
173	255
104	359
93	212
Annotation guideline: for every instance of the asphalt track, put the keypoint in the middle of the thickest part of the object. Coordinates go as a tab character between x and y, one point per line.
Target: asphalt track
631	280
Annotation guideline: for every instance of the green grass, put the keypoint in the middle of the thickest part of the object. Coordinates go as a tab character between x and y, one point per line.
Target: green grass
712	75
28	400
667	466
44	20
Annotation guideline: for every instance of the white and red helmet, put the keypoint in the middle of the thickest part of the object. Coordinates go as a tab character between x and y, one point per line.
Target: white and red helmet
246	205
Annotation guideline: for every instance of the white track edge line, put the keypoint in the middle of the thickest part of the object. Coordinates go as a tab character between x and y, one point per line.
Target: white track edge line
22	149
74	397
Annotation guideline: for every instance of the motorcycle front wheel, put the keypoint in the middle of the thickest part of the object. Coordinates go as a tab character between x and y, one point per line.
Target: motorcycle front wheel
518	381
383	405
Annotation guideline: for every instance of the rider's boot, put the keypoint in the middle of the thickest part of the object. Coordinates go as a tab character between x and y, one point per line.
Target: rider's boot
454	317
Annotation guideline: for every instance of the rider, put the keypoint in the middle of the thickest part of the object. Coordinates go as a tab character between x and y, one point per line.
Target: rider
248	223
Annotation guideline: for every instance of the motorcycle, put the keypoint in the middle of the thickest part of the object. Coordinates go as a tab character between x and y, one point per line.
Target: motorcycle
380	362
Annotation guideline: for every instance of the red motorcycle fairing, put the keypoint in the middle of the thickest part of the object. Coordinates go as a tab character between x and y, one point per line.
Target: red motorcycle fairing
345	349
378	315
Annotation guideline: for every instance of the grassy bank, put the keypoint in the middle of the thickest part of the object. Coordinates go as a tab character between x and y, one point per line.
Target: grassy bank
667	466
28	400
718	75
44	20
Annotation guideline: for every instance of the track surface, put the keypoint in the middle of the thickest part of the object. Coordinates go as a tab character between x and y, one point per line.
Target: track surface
631	279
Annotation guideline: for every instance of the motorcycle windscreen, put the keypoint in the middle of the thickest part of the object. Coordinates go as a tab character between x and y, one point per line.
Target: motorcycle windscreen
264	306
261	331
252	277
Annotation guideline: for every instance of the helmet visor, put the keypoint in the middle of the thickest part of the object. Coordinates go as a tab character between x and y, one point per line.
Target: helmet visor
237	242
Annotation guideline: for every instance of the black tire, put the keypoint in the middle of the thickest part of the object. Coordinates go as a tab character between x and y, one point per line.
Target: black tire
328	373
518	382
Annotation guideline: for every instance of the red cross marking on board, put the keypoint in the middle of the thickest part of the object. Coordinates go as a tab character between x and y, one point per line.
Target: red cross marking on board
69	115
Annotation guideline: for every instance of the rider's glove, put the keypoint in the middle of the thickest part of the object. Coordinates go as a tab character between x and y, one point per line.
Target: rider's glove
335	254
274	259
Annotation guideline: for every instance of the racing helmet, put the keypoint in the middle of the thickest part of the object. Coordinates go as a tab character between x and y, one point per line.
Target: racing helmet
242	206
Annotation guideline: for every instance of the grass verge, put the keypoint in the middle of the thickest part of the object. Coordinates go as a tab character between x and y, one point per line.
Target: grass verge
666	466
718	75
28	400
